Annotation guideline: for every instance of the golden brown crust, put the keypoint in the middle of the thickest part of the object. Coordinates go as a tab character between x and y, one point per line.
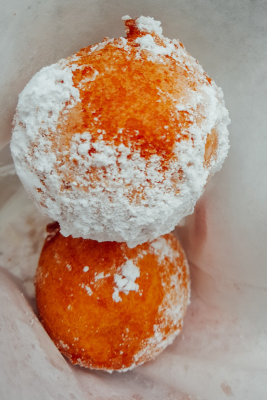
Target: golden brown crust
90	320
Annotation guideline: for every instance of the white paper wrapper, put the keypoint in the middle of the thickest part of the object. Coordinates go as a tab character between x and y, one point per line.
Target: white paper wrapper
222	352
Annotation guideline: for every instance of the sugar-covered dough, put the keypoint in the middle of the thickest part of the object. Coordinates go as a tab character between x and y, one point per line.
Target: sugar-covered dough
99	184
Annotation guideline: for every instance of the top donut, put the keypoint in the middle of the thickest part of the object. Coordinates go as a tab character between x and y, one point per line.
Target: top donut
117	142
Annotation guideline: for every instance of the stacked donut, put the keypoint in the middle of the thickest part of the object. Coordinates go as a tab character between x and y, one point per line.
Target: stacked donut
116	144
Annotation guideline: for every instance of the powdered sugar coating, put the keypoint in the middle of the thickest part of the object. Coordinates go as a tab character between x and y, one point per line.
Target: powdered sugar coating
133	199
37	114
149	24
125	279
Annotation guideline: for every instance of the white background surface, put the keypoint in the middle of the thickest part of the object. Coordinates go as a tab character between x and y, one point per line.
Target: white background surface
222	353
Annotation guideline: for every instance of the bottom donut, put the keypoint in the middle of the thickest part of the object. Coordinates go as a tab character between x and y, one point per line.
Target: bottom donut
110	307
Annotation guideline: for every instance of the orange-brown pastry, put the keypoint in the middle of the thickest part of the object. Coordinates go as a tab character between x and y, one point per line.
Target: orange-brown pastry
117	141
110	307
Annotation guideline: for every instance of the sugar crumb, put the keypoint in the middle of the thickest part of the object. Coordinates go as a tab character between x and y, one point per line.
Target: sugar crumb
87	288
125	280
63	345
126	18
149	24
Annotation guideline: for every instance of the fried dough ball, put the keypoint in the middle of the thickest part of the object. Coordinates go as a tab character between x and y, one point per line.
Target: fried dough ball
117	141
110	307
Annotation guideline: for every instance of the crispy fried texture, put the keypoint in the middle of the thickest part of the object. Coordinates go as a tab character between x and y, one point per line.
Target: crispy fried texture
79	313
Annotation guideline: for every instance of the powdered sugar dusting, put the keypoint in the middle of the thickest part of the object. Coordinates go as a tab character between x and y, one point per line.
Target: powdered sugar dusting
148	43
105	192
125	280
174	303
40	103
157	342
163	250
126	18
63	345
87	288
101	275
149	24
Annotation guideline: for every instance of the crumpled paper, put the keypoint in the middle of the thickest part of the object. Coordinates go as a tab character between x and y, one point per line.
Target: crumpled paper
222	350
217	355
